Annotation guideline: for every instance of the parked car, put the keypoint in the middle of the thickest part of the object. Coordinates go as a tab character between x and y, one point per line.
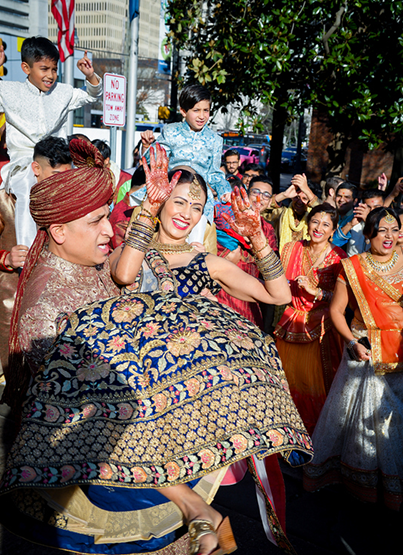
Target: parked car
247	155
289	159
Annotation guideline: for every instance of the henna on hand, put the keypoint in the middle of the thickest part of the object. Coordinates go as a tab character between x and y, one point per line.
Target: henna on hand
246	219
159	188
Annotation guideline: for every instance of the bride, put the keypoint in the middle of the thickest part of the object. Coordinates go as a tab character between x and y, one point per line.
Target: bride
150	396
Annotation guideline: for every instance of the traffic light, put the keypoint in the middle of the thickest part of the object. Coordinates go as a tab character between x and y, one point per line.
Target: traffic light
164	112
3	69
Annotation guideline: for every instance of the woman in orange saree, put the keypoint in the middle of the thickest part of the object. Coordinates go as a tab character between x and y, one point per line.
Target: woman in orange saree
308	345
359	435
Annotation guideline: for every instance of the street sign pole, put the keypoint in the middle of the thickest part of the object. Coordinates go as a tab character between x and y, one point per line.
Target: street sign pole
114	108
113	139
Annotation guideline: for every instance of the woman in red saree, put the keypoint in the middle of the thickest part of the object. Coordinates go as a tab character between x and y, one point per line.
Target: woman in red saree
359	436
308	345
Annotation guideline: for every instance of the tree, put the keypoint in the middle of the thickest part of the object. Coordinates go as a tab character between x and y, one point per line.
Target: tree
248	49
357	85
341	56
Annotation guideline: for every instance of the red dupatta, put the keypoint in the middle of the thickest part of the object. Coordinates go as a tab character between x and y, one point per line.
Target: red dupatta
380	304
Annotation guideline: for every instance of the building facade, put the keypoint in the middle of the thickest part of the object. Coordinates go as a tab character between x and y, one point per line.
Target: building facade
23	18
102	27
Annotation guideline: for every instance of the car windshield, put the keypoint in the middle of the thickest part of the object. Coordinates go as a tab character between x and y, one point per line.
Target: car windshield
243	151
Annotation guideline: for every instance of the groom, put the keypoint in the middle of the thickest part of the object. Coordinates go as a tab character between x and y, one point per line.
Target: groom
67	266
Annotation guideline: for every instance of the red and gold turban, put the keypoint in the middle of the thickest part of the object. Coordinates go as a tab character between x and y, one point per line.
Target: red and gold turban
73	194
59	199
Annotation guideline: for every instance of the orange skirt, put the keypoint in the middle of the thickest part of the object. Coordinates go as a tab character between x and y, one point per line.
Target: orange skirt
302	364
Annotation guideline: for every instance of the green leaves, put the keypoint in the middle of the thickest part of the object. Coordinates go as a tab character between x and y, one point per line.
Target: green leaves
342	56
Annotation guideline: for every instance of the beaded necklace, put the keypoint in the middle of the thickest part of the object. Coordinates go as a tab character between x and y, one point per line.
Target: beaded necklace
379	266
168	248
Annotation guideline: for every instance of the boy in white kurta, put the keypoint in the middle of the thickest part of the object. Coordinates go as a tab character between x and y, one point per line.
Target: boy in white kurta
34	110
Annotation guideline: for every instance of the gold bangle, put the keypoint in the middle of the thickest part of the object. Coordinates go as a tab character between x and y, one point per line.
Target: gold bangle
260	250
149	216
270	267
140	236
3	265
318	294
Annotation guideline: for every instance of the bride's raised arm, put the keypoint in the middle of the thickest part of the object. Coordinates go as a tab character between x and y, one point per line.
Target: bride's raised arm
126	260
239	284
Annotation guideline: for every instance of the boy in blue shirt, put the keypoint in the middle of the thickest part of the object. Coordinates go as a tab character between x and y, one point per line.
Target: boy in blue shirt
192	143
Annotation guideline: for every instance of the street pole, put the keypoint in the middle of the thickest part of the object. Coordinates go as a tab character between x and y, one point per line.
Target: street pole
113	141
174	83
132	87
299	144
68	77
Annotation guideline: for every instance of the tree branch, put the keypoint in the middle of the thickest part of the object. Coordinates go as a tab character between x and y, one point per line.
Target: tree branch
333	28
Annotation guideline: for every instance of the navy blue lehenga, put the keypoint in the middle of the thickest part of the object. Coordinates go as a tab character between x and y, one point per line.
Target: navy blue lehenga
143	391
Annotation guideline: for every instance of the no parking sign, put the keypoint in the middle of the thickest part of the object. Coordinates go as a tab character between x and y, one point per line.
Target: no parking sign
114	100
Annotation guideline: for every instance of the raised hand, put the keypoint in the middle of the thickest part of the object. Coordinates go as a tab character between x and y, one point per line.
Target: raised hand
361	212
291	192
147	138
85	66
246	220
159	188
382	182
300	183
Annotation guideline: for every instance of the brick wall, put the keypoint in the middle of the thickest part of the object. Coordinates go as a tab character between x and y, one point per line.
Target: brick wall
360	166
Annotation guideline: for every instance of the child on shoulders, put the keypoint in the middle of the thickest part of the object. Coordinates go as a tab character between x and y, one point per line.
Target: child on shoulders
192	143
36	109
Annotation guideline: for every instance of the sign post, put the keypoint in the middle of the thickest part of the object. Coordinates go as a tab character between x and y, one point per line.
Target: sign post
114	107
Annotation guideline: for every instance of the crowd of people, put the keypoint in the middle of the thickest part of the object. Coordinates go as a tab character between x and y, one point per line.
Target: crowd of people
168	328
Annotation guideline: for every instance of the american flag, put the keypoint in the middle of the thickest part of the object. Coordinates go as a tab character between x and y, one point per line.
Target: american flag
63	11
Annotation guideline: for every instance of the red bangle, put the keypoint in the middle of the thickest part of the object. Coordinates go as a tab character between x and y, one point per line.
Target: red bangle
3	266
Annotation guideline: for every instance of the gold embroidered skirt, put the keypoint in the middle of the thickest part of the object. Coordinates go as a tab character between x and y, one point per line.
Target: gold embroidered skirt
151	390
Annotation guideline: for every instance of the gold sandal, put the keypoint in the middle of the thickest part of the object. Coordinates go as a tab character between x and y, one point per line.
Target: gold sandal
225	537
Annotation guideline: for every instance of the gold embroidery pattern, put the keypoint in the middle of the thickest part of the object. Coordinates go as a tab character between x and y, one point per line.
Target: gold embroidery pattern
152	390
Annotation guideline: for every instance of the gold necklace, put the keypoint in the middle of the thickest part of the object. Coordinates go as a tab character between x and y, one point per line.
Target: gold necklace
168	248
313	262
379	266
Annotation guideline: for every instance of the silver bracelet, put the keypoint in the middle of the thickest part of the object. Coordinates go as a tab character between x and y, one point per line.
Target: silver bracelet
350	349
